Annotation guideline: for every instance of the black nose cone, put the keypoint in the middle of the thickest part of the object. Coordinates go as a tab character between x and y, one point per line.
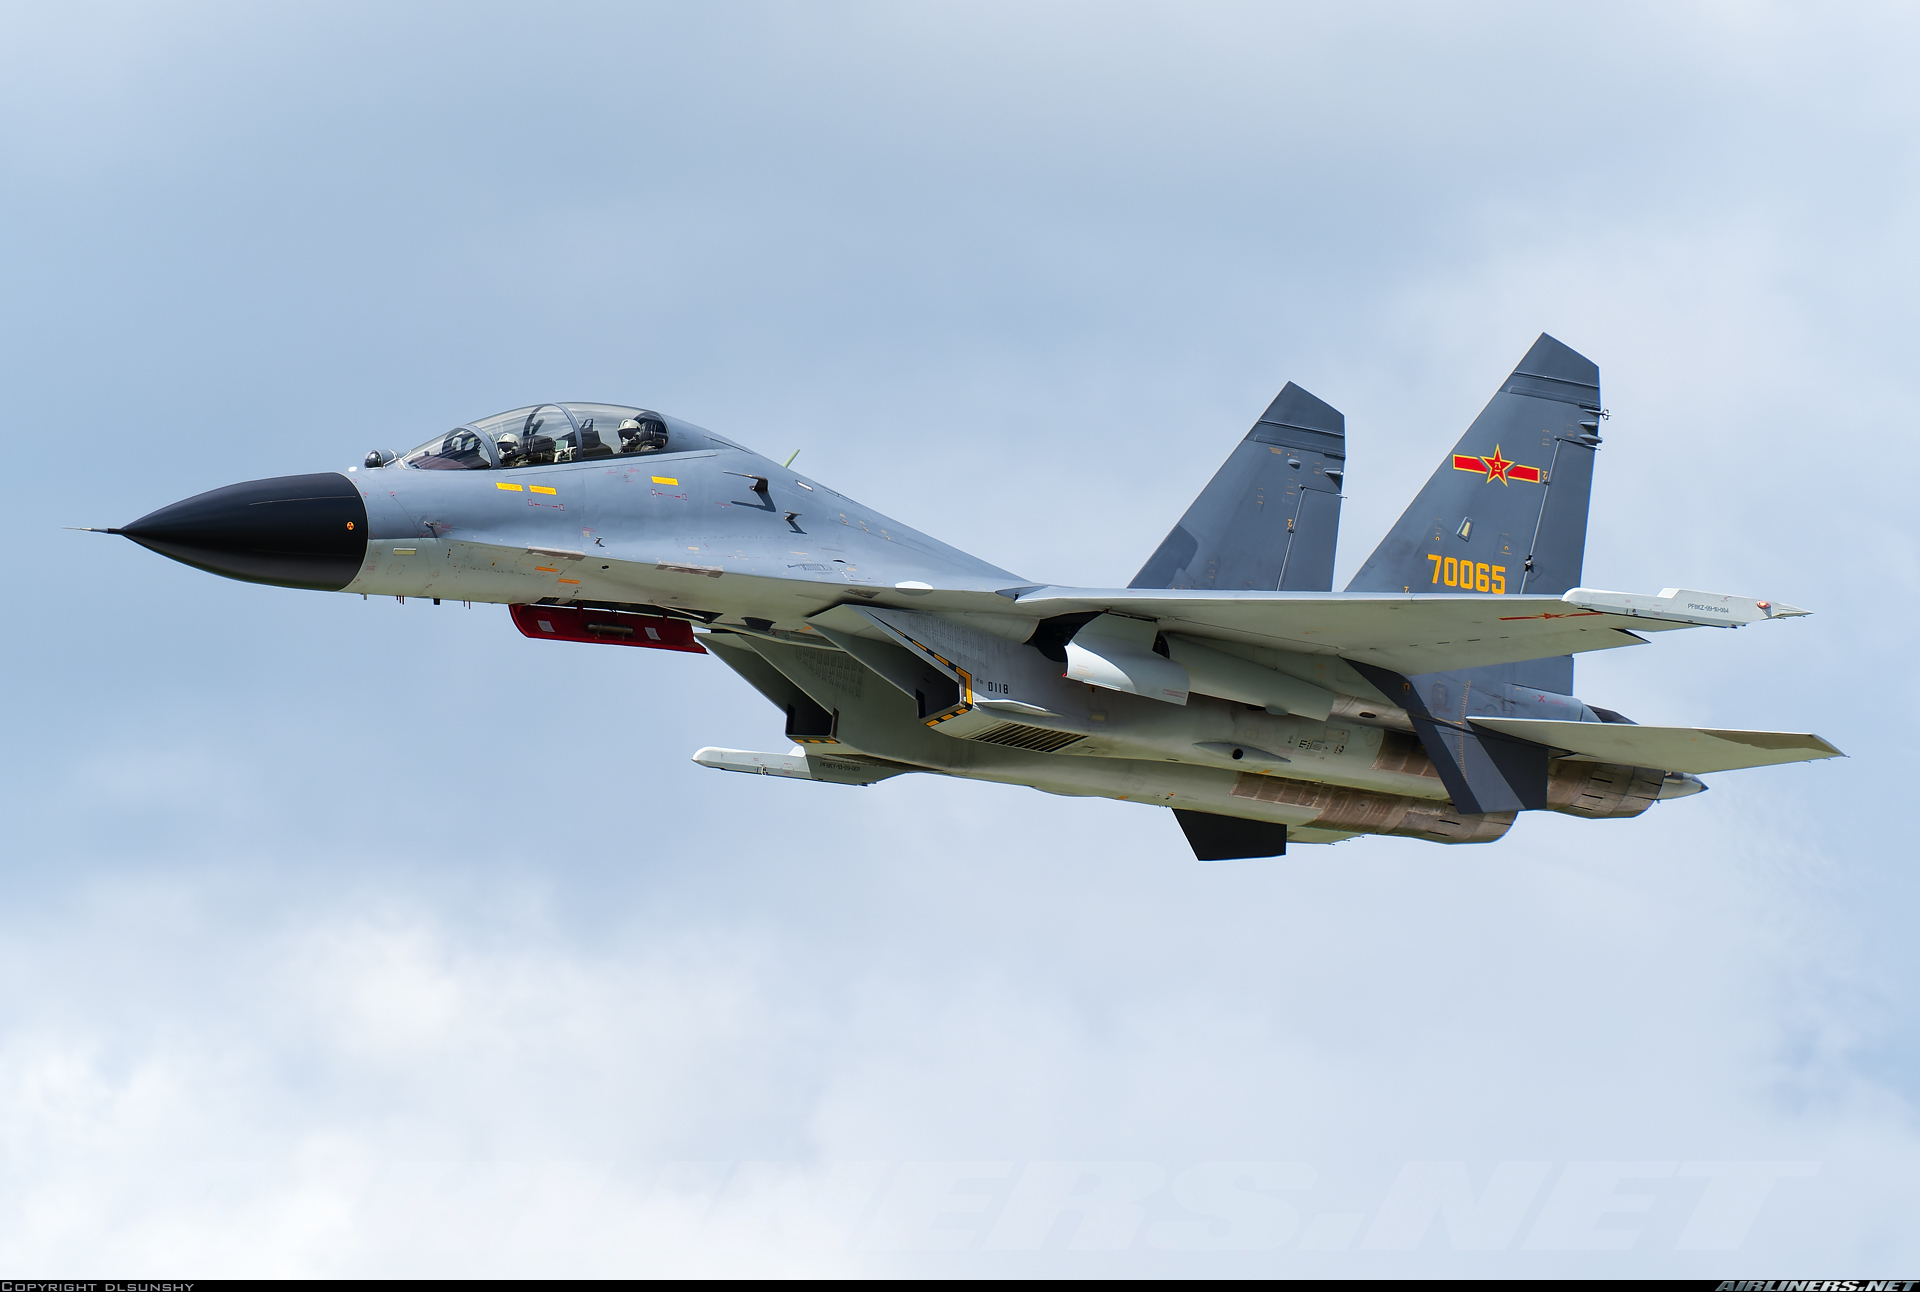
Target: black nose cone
292	531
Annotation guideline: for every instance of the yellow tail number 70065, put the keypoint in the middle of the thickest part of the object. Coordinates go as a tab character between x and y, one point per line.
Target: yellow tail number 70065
1468	576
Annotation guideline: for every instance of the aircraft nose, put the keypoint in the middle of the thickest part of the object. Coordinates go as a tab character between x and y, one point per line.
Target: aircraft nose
293	531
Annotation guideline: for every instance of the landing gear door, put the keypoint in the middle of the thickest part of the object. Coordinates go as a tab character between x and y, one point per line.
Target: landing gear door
933	686
918	663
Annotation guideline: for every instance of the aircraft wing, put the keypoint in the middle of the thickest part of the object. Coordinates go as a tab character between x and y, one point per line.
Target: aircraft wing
1672	749
1422	633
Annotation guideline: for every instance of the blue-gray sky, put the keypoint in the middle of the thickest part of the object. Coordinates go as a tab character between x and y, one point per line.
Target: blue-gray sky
346	937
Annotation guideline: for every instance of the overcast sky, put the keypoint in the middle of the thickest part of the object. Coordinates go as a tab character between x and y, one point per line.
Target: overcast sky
345	937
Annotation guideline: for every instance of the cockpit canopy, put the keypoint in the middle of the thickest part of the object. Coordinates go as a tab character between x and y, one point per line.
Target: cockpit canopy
542	434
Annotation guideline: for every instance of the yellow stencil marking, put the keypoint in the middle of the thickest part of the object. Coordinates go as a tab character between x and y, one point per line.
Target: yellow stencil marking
665	480
502	484
542	489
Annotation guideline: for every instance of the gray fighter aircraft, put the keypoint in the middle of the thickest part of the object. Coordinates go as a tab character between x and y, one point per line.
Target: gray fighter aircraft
1432	699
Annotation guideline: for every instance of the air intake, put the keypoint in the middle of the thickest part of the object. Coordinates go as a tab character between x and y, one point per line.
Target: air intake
1018	735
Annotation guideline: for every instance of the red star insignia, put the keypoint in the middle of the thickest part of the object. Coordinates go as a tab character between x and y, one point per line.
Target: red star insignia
1497	467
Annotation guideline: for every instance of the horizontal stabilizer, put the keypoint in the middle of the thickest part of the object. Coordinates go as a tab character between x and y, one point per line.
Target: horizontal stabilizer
1669	749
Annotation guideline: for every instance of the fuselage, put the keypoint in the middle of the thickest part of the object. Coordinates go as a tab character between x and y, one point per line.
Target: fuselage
788	578
690	527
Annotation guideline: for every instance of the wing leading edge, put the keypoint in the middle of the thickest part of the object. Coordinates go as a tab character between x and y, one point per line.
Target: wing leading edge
1410	633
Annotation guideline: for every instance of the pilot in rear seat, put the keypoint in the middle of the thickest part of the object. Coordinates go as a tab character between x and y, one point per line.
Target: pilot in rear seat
642	437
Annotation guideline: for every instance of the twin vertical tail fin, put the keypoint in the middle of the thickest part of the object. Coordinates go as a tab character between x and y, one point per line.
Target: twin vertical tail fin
1270	517
1507	510
1505	513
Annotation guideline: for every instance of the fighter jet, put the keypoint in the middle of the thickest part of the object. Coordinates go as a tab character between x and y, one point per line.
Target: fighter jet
1228	682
